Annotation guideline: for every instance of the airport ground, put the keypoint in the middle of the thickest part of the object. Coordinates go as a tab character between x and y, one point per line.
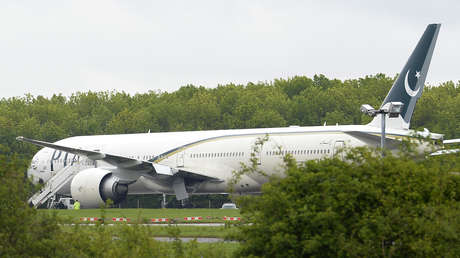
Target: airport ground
145	215
191	236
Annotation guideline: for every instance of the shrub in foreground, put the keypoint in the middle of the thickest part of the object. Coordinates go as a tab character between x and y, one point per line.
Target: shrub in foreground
367	206
26	233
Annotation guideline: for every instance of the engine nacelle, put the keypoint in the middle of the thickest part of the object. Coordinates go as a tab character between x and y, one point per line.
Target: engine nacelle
92	187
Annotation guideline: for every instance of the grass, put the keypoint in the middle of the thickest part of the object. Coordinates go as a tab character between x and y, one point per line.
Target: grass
123	240
219	250
191	231
182	231
145	215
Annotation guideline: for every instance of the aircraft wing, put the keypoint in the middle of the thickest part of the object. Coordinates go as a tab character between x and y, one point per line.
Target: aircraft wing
123	162
447	151
194	174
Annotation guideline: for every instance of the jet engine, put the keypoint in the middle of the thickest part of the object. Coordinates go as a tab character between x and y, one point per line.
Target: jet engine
92	187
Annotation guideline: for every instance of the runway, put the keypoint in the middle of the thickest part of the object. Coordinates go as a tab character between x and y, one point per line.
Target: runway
198	239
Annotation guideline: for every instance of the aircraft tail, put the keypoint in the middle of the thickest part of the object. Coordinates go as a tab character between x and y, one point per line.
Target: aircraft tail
408	87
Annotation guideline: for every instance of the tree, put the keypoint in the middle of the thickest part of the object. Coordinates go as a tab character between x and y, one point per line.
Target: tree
366	206
22	231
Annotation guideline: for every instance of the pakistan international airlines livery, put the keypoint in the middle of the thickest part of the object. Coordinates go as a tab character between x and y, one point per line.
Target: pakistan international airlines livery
93	169
409	85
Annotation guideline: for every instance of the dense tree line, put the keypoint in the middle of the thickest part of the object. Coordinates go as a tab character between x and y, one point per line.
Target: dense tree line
295	101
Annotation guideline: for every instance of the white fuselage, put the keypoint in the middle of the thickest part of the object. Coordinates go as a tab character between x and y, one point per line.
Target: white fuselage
204	161
212	153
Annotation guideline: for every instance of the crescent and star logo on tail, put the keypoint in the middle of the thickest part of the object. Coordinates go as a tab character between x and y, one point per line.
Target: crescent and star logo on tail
409	91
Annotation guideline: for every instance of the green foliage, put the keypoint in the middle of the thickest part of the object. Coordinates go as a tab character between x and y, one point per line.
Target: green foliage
22	231
293	101
25	232
366	206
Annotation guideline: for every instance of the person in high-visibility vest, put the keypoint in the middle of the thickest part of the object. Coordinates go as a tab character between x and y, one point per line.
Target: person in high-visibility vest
76	205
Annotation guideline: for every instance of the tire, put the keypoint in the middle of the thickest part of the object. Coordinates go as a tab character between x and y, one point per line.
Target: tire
60	206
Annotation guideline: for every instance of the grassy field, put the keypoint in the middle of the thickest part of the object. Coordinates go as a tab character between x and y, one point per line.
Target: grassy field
192	231
145	215
219	250
168	231
132	233
141	237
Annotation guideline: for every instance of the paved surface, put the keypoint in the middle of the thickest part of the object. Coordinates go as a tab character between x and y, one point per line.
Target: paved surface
191	224
158	224
198	239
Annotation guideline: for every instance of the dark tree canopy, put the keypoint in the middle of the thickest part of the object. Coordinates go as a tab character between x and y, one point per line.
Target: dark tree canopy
295	101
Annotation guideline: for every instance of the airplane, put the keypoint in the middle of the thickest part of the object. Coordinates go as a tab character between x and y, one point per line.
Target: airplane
196	162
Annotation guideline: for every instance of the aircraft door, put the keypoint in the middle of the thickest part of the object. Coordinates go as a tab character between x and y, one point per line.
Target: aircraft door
339	145
180	159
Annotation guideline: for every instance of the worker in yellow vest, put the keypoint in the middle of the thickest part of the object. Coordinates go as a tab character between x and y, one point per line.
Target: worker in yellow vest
76	205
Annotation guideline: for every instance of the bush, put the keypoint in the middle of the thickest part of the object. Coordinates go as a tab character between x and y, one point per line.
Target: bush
26	233
365	206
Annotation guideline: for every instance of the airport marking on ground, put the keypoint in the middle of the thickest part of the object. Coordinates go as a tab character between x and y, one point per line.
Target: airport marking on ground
89	219
232	218
121	219
160	220
193	218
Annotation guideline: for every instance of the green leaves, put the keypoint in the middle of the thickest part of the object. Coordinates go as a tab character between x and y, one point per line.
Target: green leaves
365	206
294	101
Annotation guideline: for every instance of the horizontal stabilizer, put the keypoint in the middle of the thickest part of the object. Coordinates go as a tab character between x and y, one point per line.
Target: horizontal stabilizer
451	141
373	139
445	152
